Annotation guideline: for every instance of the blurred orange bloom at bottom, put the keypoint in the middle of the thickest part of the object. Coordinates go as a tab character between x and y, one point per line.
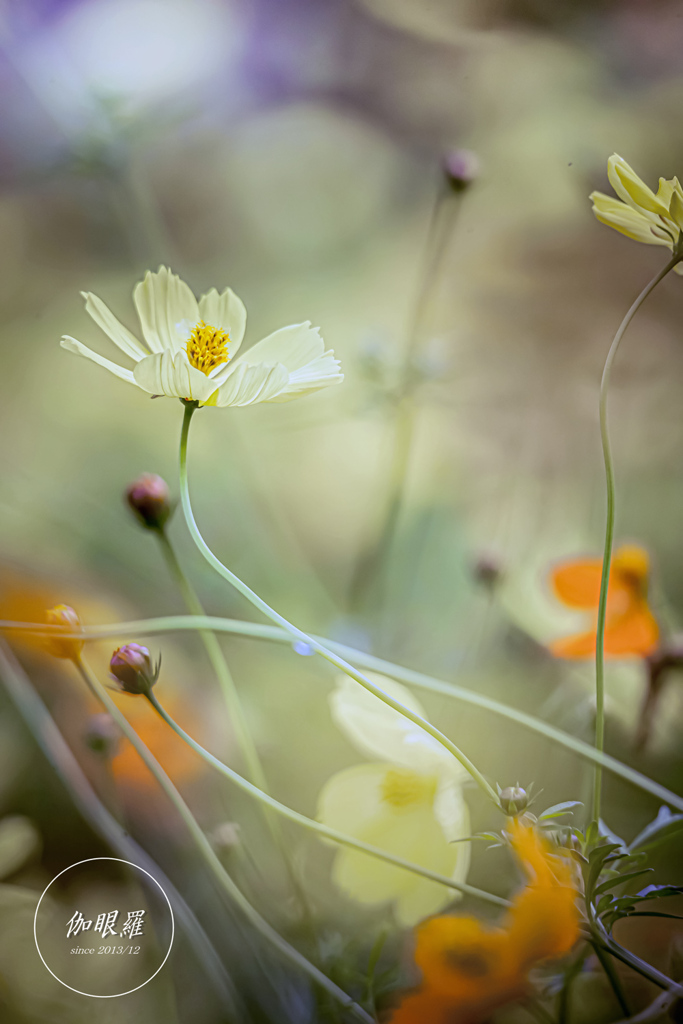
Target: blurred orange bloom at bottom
469	970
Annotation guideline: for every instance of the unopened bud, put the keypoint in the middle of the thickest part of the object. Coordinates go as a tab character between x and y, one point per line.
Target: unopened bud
461	168
226	836
487	570
149	499
64	616
132	669
513	800
103	735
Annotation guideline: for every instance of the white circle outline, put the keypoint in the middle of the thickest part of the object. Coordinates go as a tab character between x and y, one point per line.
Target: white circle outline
115	995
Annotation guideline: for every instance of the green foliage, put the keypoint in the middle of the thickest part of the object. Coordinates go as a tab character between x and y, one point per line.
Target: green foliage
607	866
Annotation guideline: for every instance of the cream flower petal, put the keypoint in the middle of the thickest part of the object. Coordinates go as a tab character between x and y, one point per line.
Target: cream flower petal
293	346
638	226
71	345
226	312
170	373
451	811
631	188
352	801
248	384
166	307
317	374
300	348
379	731
120	335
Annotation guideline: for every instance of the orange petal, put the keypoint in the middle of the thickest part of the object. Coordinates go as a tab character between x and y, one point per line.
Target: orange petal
424	1007
579	645
577	583
635	634
462	959
172	753
543	924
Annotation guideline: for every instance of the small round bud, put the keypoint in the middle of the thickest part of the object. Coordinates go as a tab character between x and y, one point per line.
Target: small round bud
226	836
64	616
103	735
461	168
487	570
149	499
132	669
513	800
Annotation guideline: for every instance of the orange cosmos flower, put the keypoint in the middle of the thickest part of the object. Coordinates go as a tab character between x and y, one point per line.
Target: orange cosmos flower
469	969
631	629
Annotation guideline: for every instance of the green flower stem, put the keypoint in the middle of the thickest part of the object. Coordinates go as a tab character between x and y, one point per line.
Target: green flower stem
208	854
298	634
445	211
609	530
640	966
564	1000
61	759
612	976
257	631
219	664
317	826
238	719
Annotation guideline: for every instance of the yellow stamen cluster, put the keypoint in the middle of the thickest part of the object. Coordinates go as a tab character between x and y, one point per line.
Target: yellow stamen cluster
402	788
207	347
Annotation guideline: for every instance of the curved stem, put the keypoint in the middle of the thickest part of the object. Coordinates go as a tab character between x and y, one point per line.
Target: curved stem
208	854
236	713
61	759
219	664
298	634
609	529
612	977
420	680
317	826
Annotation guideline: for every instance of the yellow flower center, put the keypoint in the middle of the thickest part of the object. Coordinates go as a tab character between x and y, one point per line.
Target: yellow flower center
401	788
207	347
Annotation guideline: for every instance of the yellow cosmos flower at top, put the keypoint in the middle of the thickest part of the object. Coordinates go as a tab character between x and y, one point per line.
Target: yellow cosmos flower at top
409	802
639	213
189	348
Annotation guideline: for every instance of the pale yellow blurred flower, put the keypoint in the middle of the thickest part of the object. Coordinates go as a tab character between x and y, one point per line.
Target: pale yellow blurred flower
189	348
410	804
639	213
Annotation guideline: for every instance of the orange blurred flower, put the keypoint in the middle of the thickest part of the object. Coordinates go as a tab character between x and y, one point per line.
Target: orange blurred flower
631	629
469	969
177	759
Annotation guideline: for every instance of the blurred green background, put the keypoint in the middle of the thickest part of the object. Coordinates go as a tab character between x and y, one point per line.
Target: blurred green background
292	150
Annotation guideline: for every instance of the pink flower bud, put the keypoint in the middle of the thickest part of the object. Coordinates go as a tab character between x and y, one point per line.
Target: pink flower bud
148	497
461	167
132	669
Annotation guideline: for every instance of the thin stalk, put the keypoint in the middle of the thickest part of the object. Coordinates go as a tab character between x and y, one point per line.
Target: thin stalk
420	680
444	214
209	856
612	977
641	967
570	975
237	716
219	664
60	757
609	529
298	634
317	826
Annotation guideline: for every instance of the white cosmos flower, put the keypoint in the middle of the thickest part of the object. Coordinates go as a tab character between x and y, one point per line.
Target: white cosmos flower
190	346
410	804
